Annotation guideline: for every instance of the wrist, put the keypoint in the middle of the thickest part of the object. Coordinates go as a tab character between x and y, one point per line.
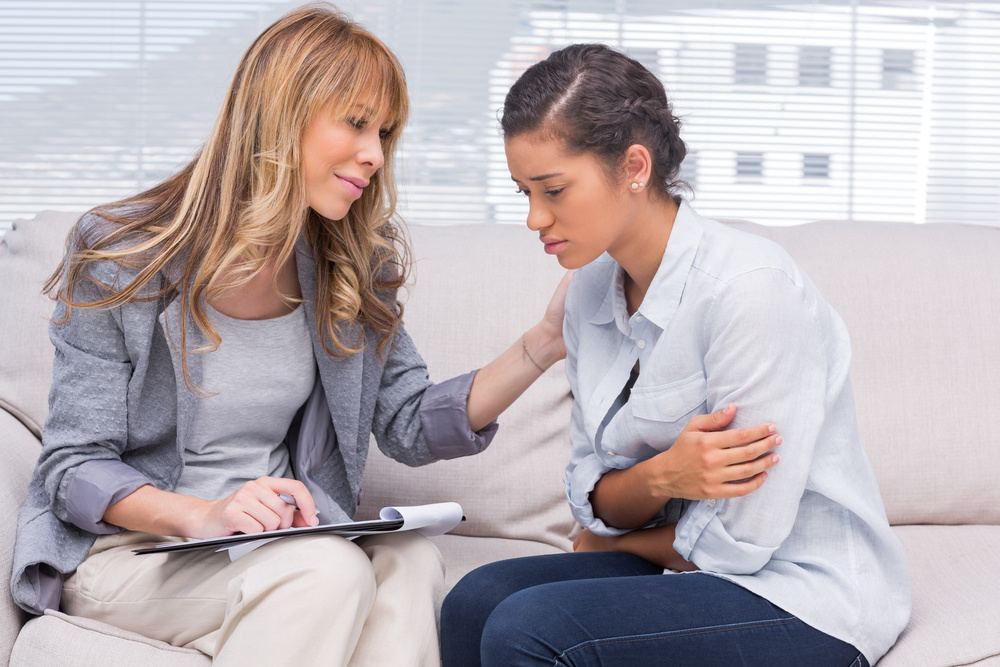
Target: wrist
543	346
652	477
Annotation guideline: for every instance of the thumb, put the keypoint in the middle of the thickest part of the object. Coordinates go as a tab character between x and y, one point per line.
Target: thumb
714	421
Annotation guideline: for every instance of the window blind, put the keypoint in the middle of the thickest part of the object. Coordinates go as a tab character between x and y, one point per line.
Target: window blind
847	109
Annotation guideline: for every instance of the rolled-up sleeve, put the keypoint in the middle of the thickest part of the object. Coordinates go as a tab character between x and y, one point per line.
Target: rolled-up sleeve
765	353
444	418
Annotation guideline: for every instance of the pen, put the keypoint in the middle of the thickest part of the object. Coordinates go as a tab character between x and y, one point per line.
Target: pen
291	501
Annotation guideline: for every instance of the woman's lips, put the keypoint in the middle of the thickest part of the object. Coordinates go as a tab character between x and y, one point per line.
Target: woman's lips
354	186
553	247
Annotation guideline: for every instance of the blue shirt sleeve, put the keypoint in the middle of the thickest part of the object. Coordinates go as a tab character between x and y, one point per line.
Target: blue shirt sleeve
766	342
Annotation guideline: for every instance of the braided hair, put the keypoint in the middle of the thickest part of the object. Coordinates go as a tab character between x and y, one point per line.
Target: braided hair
599	101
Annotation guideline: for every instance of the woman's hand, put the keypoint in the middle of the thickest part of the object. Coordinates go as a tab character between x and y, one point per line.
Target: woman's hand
704	462
252	508
588	541
500	382
653	544
552	321
256	507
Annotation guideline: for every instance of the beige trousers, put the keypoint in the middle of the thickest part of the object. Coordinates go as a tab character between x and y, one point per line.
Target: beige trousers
316	600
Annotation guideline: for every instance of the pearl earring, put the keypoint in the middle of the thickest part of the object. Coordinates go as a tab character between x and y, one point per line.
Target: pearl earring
636	186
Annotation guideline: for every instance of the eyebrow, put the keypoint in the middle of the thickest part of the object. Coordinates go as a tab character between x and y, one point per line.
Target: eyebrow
539	178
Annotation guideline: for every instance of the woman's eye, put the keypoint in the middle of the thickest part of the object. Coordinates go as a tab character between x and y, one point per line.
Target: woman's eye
553	193
522	191
357	123
384	134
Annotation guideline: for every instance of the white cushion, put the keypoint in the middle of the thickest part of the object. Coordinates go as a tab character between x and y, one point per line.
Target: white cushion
71	641
956	610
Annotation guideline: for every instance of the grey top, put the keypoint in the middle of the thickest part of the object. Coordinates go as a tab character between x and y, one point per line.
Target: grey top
120	417
257	379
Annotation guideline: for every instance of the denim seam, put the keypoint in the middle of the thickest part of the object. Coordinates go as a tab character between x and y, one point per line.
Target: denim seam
676	633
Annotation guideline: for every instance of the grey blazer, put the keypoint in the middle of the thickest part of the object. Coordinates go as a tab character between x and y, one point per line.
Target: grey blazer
120	416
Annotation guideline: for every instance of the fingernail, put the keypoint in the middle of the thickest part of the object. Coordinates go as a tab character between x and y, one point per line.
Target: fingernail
770	428
777	441
774	459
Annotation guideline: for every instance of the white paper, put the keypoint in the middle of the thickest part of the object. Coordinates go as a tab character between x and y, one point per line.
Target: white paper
433	519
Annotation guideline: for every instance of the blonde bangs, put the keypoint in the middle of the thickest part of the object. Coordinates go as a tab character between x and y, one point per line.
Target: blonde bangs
365	74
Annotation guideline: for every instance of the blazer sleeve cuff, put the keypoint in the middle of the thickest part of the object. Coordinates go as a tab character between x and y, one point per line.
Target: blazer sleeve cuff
444	419
96	485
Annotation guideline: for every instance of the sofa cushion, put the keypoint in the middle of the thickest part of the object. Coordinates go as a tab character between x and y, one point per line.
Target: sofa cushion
462	554
29	252
920	302
477	288
71	641
956	610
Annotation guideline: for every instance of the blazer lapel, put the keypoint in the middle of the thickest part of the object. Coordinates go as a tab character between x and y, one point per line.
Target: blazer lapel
170	322
341	376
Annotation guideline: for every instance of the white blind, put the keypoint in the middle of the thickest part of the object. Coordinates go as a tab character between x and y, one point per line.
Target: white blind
792	111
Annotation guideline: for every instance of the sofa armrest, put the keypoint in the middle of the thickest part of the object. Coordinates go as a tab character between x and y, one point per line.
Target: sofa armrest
19	450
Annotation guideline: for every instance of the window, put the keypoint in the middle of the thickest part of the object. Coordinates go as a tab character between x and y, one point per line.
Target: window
898	69
749	166
689	170
102	98
816	166
750	65
814	66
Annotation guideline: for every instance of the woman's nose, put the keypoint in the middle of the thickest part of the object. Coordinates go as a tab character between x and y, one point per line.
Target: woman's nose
538	218
371	152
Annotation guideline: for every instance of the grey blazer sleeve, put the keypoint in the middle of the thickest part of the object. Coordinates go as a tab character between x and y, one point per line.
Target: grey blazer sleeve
417	422
86	430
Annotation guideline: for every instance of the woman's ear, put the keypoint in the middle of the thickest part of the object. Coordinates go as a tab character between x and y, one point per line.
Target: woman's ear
638	167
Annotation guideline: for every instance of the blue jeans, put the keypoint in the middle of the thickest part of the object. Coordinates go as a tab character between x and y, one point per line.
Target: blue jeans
618	609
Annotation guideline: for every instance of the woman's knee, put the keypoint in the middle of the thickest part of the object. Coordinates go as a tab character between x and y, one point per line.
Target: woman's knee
328	566
516	632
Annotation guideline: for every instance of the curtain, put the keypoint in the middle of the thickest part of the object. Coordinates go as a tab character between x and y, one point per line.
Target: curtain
836	109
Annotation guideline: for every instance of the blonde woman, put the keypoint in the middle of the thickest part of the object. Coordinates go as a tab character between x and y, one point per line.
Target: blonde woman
233	334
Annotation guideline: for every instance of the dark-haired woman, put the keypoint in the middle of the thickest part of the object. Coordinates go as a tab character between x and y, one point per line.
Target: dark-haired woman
671	315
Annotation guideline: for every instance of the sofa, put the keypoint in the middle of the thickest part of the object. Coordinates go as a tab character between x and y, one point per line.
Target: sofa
922	303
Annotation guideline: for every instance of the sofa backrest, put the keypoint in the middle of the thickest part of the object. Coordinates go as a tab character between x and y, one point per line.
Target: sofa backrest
29	253
921	303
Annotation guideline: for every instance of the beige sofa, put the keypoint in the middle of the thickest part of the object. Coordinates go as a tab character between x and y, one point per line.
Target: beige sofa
923	307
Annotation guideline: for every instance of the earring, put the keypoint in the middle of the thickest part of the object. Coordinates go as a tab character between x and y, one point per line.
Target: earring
636	186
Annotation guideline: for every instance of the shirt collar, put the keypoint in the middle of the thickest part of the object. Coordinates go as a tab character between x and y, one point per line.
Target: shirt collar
664	293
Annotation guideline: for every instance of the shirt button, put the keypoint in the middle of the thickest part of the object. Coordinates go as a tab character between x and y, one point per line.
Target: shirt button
711	502
612	454
639	318
641	344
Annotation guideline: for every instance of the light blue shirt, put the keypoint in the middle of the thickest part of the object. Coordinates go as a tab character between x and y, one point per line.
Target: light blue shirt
729	317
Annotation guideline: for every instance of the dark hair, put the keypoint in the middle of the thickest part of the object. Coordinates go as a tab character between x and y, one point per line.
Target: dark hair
600	101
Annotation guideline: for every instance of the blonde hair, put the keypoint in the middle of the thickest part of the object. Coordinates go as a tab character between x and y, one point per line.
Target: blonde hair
241	202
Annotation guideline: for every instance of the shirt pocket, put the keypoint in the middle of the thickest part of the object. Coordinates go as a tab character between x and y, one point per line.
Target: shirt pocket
662	411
